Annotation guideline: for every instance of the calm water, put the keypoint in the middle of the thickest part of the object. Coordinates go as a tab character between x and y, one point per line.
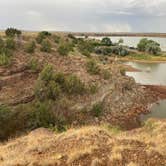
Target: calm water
133	41
152	74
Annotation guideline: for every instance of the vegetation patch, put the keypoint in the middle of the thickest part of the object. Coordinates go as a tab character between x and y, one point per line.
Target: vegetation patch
92	67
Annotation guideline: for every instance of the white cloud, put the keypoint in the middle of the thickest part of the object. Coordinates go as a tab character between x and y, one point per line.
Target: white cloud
85	15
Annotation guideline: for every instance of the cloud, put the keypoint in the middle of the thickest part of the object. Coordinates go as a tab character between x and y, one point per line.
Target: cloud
85	15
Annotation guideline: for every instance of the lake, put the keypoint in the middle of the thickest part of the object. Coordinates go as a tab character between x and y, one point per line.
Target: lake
152	74
133	41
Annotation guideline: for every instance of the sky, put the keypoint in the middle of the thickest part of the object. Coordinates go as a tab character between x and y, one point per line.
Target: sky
84	15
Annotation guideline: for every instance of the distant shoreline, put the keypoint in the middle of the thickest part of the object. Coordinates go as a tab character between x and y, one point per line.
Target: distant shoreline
114	34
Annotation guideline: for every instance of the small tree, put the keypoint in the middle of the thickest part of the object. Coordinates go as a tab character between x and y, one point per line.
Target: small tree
46	46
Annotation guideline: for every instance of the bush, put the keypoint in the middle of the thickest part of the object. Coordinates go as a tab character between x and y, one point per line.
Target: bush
85	47
93	88
47	73
5	60
97	109
10	43
42	115
56	39
46	46
41	36
65	48
120	50
11	32
30	47
122	71
73	85
106	74
33	65
2	44
92	67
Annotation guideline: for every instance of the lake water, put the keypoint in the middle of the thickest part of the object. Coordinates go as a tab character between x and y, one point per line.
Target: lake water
133	41
152	74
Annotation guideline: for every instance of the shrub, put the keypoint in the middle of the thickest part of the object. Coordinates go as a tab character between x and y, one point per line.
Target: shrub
30	47
92	67
5	117
73	85
106	74
85	47
56	38
4	60
33	65
122	71
42	115
11	32
2	44
10	43
42	35
65	48
97	109
46	46
71	36
93	88
47	73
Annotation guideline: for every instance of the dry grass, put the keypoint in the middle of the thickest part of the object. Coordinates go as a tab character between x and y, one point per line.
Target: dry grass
88	145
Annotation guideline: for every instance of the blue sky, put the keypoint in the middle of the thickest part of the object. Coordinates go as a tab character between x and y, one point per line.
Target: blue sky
85	15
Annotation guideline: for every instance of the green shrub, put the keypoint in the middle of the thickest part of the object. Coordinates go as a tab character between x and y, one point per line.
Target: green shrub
73	85
56	39
93	88
30	47
10	43
106	74
46	46
65	48
33	65
11	32
47	73
92	67
41	36
86	47
97	109
5	117
2	44
42	115
4	60
122	71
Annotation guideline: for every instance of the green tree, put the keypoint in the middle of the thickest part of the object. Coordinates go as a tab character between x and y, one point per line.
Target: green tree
106	41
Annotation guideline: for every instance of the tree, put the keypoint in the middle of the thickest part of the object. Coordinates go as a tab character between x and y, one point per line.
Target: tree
149	46
106	41
142	44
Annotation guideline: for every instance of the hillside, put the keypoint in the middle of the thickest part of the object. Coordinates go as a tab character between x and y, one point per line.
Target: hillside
58	82
91	146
